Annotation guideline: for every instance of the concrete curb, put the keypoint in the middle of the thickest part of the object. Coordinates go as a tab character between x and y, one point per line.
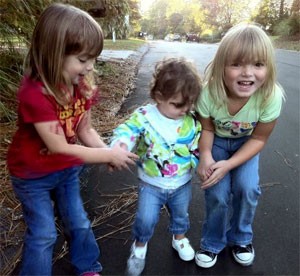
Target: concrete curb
122	55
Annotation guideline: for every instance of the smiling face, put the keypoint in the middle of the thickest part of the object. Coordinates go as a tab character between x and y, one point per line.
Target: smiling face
77	66
244	63
243	79
61	33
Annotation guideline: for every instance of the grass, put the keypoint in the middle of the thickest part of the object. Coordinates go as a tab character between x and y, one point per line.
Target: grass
127	44
287	43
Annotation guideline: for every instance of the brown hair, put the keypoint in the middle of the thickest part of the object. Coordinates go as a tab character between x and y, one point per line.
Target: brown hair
61	30
173	76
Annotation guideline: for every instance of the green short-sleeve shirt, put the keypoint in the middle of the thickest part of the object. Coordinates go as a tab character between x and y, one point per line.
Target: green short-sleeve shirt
242	123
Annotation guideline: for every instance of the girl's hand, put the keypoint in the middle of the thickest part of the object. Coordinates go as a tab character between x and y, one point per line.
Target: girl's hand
204	169
219	170
121	157
110	168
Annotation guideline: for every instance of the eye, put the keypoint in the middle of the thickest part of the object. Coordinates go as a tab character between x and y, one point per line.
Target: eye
259	64
235	64
178	105
82	60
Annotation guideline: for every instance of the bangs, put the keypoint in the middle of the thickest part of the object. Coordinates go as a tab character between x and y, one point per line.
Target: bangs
85	36
247	47
93	42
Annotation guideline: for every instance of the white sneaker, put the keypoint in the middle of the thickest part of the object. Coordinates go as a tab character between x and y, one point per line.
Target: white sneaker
136	261
205	258
184	249
244	255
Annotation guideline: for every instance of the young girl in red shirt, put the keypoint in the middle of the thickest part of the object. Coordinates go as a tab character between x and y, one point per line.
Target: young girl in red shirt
55	100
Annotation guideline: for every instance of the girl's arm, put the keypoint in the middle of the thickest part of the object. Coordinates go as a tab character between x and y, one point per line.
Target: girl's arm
54	138
205	147
87	134
252	147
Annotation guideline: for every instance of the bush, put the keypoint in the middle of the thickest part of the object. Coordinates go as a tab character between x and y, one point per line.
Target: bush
10	76
282	28
210	38
288	27
294	24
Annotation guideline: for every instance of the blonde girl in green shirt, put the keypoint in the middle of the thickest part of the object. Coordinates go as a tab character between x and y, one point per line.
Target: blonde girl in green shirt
238	110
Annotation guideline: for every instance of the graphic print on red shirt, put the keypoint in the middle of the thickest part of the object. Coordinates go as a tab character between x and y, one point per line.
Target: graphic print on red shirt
28	156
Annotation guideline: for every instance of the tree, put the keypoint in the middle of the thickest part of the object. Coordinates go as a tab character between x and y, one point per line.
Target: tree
157	19
134	16
18	19
118	16
270	13
113	16
225	13
175	23
294	20
295	9
180	16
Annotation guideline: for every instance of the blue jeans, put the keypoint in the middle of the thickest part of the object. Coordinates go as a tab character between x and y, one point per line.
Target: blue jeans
150	201
231	203
40	237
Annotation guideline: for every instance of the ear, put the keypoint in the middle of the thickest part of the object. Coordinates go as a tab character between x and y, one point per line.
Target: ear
159	97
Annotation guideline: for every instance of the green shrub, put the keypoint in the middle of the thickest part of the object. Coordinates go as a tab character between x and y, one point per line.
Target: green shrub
282	28
294	24
10	76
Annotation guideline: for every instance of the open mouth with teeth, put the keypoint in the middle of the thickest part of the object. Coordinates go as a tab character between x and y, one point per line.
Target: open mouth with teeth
245	83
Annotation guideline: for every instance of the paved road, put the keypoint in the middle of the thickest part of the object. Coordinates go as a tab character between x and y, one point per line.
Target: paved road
276	226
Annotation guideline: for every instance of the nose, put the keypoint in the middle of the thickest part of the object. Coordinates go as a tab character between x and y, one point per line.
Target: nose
185	109
90	66
247	70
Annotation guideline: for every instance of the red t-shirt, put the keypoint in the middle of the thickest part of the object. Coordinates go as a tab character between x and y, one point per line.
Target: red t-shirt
28	156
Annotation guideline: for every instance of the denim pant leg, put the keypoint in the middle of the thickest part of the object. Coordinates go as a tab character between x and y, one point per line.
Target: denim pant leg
178	204
84	250
150	201
38	214
245	194
217	203
236	193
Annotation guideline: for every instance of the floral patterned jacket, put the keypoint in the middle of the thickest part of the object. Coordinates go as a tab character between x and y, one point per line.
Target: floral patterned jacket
168	149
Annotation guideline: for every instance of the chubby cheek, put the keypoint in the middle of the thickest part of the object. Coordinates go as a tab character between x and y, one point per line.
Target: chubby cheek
228	83
172	113
227	79
262	77
175	111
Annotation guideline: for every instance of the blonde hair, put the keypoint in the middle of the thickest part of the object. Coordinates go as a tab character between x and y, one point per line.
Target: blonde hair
61	30
175	75
247	43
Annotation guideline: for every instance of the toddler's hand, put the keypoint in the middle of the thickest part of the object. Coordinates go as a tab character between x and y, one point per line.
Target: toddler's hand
204	169
124	146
